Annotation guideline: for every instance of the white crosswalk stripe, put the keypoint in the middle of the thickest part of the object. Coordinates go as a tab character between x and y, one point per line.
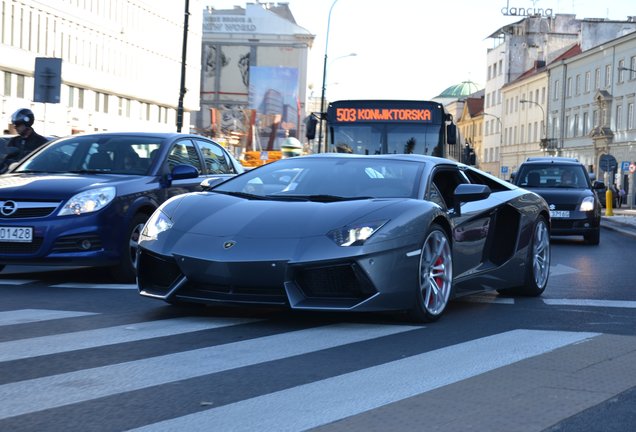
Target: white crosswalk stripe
54	391
24	316
332	398
353	393
45	345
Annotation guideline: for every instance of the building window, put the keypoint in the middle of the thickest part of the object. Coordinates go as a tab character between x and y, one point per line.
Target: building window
585	125
587	81
575	127
621	71
19	86
577	85
608	75
556	90
597	79
619	117
630	115
542	95
568	88
7	84
632	66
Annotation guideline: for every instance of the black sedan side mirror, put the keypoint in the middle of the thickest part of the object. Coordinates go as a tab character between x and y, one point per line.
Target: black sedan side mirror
467	192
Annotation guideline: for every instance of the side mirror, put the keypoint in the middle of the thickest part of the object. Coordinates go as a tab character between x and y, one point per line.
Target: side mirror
467	192
179	172
598	185
451	134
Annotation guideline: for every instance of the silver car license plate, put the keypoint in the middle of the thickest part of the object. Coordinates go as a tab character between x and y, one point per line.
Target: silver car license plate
559	214
16	234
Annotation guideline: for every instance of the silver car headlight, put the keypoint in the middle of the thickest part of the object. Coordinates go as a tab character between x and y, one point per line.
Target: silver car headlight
587	204
158	223
88	201
355	235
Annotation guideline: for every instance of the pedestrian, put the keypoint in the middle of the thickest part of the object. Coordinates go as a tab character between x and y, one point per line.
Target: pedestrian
27	139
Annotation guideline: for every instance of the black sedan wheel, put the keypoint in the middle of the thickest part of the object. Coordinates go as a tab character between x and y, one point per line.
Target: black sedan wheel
435	276
126	270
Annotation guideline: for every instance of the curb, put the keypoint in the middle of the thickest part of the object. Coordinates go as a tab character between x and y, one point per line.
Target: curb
620	227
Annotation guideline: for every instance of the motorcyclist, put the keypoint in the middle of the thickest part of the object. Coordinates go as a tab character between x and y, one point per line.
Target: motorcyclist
27	139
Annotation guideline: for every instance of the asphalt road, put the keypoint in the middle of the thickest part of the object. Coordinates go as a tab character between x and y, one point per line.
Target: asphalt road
79	353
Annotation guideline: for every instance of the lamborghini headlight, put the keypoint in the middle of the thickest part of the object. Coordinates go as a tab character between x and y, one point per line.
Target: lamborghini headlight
587	204
355	235
158	223
88	201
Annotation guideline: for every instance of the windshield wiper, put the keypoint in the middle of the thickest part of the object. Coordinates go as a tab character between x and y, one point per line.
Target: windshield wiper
240	194
89	171
333	198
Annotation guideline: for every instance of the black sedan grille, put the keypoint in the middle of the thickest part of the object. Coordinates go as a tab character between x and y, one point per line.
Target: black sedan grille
159	273
346	281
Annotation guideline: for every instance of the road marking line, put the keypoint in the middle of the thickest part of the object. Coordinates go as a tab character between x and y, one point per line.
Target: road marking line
353	393
96	286
69	388
16	281
595	303
24	316
60	343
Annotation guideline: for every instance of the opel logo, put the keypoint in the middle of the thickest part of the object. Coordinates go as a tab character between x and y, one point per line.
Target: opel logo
8	208
228	244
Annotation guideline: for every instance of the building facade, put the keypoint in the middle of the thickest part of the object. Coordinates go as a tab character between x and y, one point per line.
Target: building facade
516	49
121	63
254	76
591	103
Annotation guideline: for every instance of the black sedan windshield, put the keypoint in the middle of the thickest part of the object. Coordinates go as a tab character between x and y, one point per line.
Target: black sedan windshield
329	179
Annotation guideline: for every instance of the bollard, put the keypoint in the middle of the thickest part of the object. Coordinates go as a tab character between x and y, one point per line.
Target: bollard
609	202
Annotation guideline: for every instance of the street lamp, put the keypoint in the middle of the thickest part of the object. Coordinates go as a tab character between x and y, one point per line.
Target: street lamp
500	126
324	77
545	131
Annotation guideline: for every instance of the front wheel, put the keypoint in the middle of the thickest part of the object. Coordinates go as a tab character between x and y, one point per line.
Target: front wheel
435	277
126	270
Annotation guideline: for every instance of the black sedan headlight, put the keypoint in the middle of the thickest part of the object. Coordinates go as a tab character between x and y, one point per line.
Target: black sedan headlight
356	234
587	204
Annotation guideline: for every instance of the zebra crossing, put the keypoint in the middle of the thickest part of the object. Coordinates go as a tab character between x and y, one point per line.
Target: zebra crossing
243	374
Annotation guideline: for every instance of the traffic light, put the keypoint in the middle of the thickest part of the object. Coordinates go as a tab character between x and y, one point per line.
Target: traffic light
310	127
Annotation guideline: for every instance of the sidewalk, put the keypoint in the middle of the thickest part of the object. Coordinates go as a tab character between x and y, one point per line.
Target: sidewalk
623	221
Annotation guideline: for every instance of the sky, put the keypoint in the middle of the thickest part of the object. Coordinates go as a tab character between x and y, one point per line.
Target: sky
411	49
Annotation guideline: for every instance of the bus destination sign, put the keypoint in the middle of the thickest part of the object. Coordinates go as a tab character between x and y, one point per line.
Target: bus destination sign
350	114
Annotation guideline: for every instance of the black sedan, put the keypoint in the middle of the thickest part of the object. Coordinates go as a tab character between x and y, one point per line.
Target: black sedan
573	199
82	200
338	232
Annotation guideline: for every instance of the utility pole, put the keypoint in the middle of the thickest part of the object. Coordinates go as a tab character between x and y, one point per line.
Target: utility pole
182	90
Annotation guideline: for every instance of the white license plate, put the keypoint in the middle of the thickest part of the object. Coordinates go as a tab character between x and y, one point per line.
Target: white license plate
16	234
560	213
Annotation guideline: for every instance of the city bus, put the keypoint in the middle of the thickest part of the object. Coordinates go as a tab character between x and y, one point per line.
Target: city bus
391	126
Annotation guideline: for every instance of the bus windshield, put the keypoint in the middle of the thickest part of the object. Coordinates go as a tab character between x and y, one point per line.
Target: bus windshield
387	138
390	126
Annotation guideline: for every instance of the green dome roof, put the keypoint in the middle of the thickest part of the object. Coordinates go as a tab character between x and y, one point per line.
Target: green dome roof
460	90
